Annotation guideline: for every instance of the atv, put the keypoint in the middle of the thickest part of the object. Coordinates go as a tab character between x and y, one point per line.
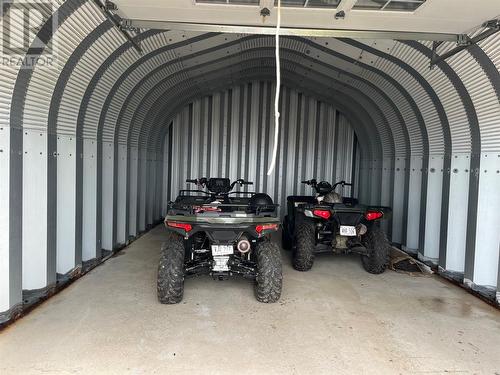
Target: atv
220	233
330	222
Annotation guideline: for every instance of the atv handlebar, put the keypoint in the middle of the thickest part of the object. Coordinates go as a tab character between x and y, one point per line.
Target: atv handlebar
343	183
202	181
310	182
313	183
198	181
243	182
240	181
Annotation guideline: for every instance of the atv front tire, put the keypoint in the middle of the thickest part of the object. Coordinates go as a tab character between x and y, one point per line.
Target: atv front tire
378	245
269	277
286	241
305	242
170	283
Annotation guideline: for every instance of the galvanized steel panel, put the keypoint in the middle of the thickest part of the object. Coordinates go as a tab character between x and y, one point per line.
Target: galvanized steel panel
423	101
490	47
43	79
10	71
150	102
94	57
484	97
457	118
193	134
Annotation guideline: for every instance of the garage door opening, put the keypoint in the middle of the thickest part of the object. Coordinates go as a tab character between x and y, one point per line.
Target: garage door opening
139	97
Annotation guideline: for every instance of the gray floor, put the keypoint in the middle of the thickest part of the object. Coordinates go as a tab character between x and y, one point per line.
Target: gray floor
336	319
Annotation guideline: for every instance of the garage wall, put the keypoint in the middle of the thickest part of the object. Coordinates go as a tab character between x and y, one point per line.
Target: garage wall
231	132
82	142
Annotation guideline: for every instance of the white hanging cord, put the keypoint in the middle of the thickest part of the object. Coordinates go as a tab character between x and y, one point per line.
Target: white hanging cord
277	96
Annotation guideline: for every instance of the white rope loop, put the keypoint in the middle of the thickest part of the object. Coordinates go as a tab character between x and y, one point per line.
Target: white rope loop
277	96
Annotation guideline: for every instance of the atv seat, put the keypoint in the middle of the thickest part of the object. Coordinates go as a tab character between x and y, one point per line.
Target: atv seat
301	199
296	200
350	201
191	199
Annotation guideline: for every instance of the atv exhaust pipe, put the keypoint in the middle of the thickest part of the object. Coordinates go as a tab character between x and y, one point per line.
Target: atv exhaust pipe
243	245
361	229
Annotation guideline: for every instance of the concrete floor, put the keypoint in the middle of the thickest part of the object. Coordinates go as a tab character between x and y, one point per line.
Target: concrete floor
335	319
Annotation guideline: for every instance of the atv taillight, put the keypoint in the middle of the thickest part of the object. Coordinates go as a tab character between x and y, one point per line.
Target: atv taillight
262	227
373	215
185	226
324	214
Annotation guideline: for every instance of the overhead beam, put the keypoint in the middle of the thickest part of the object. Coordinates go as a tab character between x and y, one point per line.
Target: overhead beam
465	42
116	21
134	24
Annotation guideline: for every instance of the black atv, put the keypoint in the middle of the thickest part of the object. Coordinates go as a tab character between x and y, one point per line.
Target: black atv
328	221
220	233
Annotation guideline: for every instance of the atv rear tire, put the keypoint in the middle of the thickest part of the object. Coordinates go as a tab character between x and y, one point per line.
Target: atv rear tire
376	241
269	277
286	240
305	243
170	283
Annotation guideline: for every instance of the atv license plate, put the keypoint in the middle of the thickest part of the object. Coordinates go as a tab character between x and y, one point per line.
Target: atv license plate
222	250
347	230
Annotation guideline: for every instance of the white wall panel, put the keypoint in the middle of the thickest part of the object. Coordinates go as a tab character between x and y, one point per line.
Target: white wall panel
5	255
91	243
457	213
39	259
398	201
67	259
133	196
121	200
151	187
108	195
387	182
488	233
142	189
433	208
412	239
10	220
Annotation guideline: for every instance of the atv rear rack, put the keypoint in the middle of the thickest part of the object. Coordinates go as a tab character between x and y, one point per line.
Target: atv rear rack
181	208
182	193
